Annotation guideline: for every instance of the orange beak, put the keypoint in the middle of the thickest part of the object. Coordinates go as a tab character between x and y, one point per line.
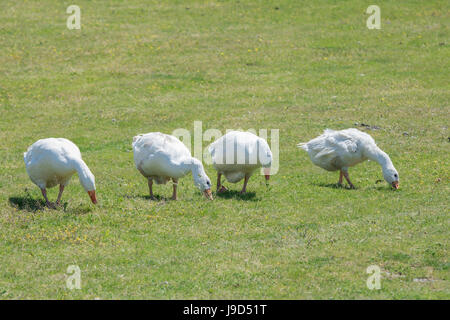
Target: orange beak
208	194
395	185
267	175
92	196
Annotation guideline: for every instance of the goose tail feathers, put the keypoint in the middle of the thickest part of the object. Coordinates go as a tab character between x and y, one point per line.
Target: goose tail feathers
303	145
136	138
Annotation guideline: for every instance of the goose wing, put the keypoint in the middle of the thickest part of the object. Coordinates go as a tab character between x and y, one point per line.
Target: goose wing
325	149
157	152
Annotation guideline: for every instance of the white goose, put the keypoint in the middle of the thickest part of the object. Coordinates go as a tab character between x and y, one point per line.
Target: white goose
237	155
339	150
162	157
53	161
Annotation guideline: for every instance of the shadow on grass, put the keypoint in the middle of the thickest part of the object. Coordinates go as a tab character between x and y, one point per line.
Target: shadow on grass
230	194
334	186
27	203
233	194
160	200
346	187
147	197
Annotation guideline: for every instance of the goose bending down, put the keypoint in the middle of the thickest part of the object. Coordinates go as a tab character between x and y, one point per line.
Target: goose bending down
53	161
339	150
161	157
237	155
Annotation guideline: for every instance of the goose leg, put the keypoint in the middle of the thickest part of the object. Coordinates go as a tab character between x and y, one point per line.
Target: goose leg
244	188
150	187
48	203
220	187
348	180
61	189
341	176
174	194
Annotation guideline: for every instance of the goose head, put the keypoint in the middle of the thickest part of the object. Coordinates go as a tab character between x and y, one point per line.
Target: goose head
389	172
267	175
201	180
391	176
87	180
265	158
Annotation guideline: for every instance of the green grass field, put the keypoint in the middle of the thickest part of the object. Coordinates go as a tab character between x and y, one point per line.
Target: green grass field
298	66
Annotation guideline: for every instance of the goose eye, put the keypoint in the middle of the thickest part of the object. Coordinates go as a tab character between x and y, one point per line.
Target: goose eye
395	175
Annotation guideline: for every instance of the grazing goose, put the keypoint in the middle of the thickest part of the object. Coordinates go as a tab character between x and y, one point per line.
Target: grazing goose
339	150
53	161
237	155
162	157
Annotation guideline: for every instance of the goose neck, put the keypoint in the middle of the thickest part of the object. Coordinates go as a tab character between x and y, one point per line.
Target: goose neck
379	156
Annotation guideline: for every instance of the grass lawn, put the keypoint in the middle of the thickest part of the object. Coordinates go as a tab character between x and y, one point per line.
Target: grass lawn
298	66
